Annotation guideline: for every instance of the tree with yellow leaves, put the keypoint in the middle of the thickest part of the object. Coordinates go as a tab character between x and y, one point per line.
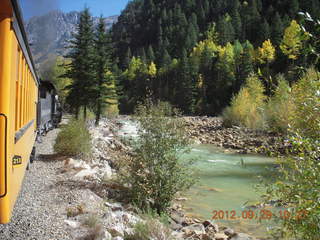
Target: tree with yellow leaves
152	70
266	53
292	41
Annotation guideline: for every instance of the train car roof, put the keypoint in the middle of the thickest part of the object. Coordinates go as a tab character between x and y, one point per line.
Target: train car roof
18	26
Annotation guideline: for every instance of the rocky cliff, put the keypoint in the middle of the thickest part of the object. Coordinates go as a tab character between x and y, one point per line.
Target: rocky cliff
49	34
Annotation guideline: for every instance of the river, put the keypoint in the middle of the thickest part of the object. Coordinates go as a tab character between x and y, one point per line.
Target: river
226	183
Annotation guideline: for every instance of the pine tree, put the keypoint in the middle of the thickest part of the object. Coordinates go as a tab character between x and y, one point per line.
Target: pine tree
191	37
246	65
264	32
251	19
201	16
293	8
225	30
206	7
165	58
105	90
127	58
80	70
142	55
236	23
189	5
186	86
193	20
225	78
150	54
148	7
238	53
277	29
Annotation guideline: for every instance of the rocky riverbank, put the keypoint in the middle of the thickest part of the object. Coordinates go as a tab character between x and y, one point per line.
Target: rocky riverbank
108	150
210	130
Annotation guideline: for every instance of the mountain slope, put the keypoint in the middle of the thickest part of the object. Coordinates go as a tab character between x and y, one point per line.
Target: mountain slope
48	34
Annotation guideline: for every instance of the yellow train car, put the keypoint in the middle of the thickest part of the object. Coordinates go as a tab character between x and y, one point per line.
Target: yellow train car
18	105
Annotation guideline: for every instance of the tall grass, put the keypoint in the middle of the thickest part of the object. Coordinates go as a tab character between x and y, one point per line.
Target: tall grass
73	139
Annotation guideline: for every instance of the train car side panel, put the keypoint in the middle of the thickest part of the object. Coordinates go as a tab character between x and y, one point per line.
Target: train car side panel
6	97
26	133
18	101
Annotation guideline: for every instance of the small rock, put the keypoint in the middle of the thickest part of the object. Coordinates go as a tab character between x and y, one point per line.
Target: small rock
130	219
229	232
85	173
207	223
181	199
117	238
194	229
178	235
72	224
196	220
116	231
106	172
107	236
206	237
114	206
210	226
128	231
175	226
241	236
220	236
177	217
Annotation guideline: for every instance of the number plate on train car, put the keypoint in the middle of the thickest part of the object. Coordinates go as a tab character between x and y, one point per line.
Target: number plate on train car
17	160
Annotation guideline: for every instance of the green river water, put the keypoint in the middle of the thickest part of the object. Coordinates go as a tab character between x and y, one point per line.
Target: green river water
226	182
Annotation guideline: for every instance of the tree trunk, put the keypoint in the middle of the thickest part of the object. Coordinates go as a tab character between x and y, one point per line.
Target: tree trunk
77	113
85	112
98	114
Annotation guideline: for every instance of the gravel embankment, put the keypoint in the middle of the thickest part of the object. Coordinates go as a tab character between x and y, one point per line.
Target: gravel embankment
38	213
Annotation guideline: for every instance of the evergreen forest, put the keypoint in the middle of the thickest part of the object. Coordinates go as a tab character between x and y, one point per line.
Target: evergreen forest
197	54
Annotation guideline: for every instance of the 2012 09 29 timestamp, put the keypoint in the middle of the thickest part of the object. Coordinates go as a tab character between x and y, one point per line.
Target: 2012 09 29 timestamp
262	214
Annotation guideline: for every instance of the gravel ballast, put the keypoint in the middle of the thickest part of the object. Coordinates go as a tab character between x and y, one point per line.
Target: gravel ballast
38	212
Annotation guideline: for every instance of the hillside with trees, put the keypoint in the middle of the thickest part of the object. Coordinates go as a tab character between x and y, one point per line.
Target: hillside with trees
197	54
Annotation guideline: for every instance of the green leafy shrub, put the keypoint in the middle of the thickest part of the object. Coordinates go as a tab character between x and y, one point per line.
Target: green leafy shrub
156	172
73	139
306	99
297	188
279	108
246	107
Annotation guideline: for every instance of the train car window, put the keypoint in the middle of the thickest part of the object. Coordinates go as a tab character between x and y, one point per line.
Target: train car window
17	89
22	93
